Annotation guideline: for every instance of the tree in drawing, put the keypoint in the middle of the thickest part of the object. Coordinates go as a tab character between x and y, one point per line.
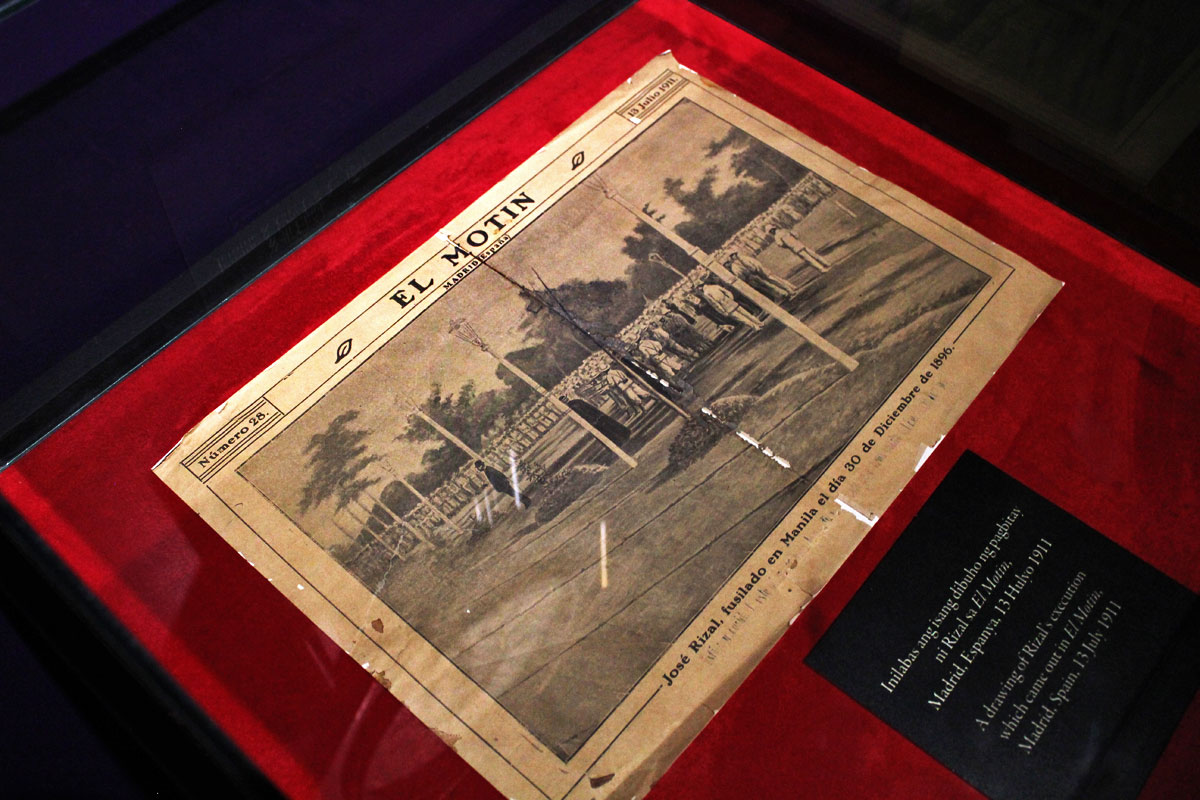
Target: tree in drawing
336	460
714	217
753	159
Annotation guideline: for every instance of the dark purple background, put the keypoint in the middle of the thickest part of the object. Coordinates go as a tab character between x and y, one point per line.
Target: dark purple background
127	155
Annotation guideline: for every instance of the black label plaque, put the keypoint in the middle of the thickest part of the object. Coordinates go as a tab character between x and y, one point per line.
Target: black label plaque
1023	650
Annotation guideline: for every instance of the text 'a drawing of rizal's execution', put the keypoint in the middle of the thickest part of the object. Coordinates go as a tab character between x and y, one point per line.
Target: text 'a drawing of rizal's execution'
665	358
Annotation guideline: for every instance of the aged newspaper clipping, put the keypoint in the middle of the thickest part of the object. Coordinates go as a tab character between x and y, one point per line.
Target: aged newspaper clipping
562	476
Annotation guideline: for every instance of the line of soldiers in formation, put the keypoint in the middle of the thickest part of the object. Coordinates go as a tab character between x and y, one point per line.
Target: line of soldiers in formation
675	339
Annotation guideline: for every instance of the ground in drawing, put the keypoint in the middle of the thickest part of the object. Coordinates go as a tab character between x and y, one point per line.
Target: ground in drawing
657	368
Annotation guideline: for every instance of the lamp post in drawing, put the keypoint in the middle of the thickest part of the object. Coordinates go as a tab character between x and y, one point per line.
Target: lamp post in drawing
463	330
707	261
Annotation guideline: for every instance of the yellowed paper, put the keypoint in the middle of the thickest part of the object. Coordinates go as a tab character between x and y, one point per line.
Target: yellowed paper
563	475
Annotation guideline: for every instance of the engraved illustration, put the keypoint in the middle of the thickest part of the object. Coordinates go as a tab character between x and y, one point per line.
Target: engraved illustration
552	469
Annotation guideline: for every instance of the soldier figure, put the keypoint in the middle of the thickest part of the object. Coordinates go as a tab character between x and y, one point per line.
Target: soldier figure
684	331
682	311
624	390
698	308
789	241
724	302
659	333
653	351
748	269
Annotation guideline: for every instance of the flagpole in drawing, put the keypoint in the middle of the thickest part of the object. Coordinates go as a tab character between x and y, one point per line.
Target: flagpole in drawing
708	262
463	330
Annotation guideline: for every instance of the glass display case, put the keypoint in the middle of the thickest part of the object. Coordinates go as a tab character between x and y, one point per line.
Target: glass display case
192	189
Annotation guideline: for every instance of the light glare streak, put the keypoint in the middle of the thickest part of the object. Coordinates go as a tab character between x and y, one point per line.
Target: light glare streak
512	462
603	555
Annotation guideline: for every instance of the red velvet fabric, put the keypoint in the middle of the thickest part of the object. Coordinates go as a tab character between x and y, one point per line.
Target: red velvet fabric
1093	410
